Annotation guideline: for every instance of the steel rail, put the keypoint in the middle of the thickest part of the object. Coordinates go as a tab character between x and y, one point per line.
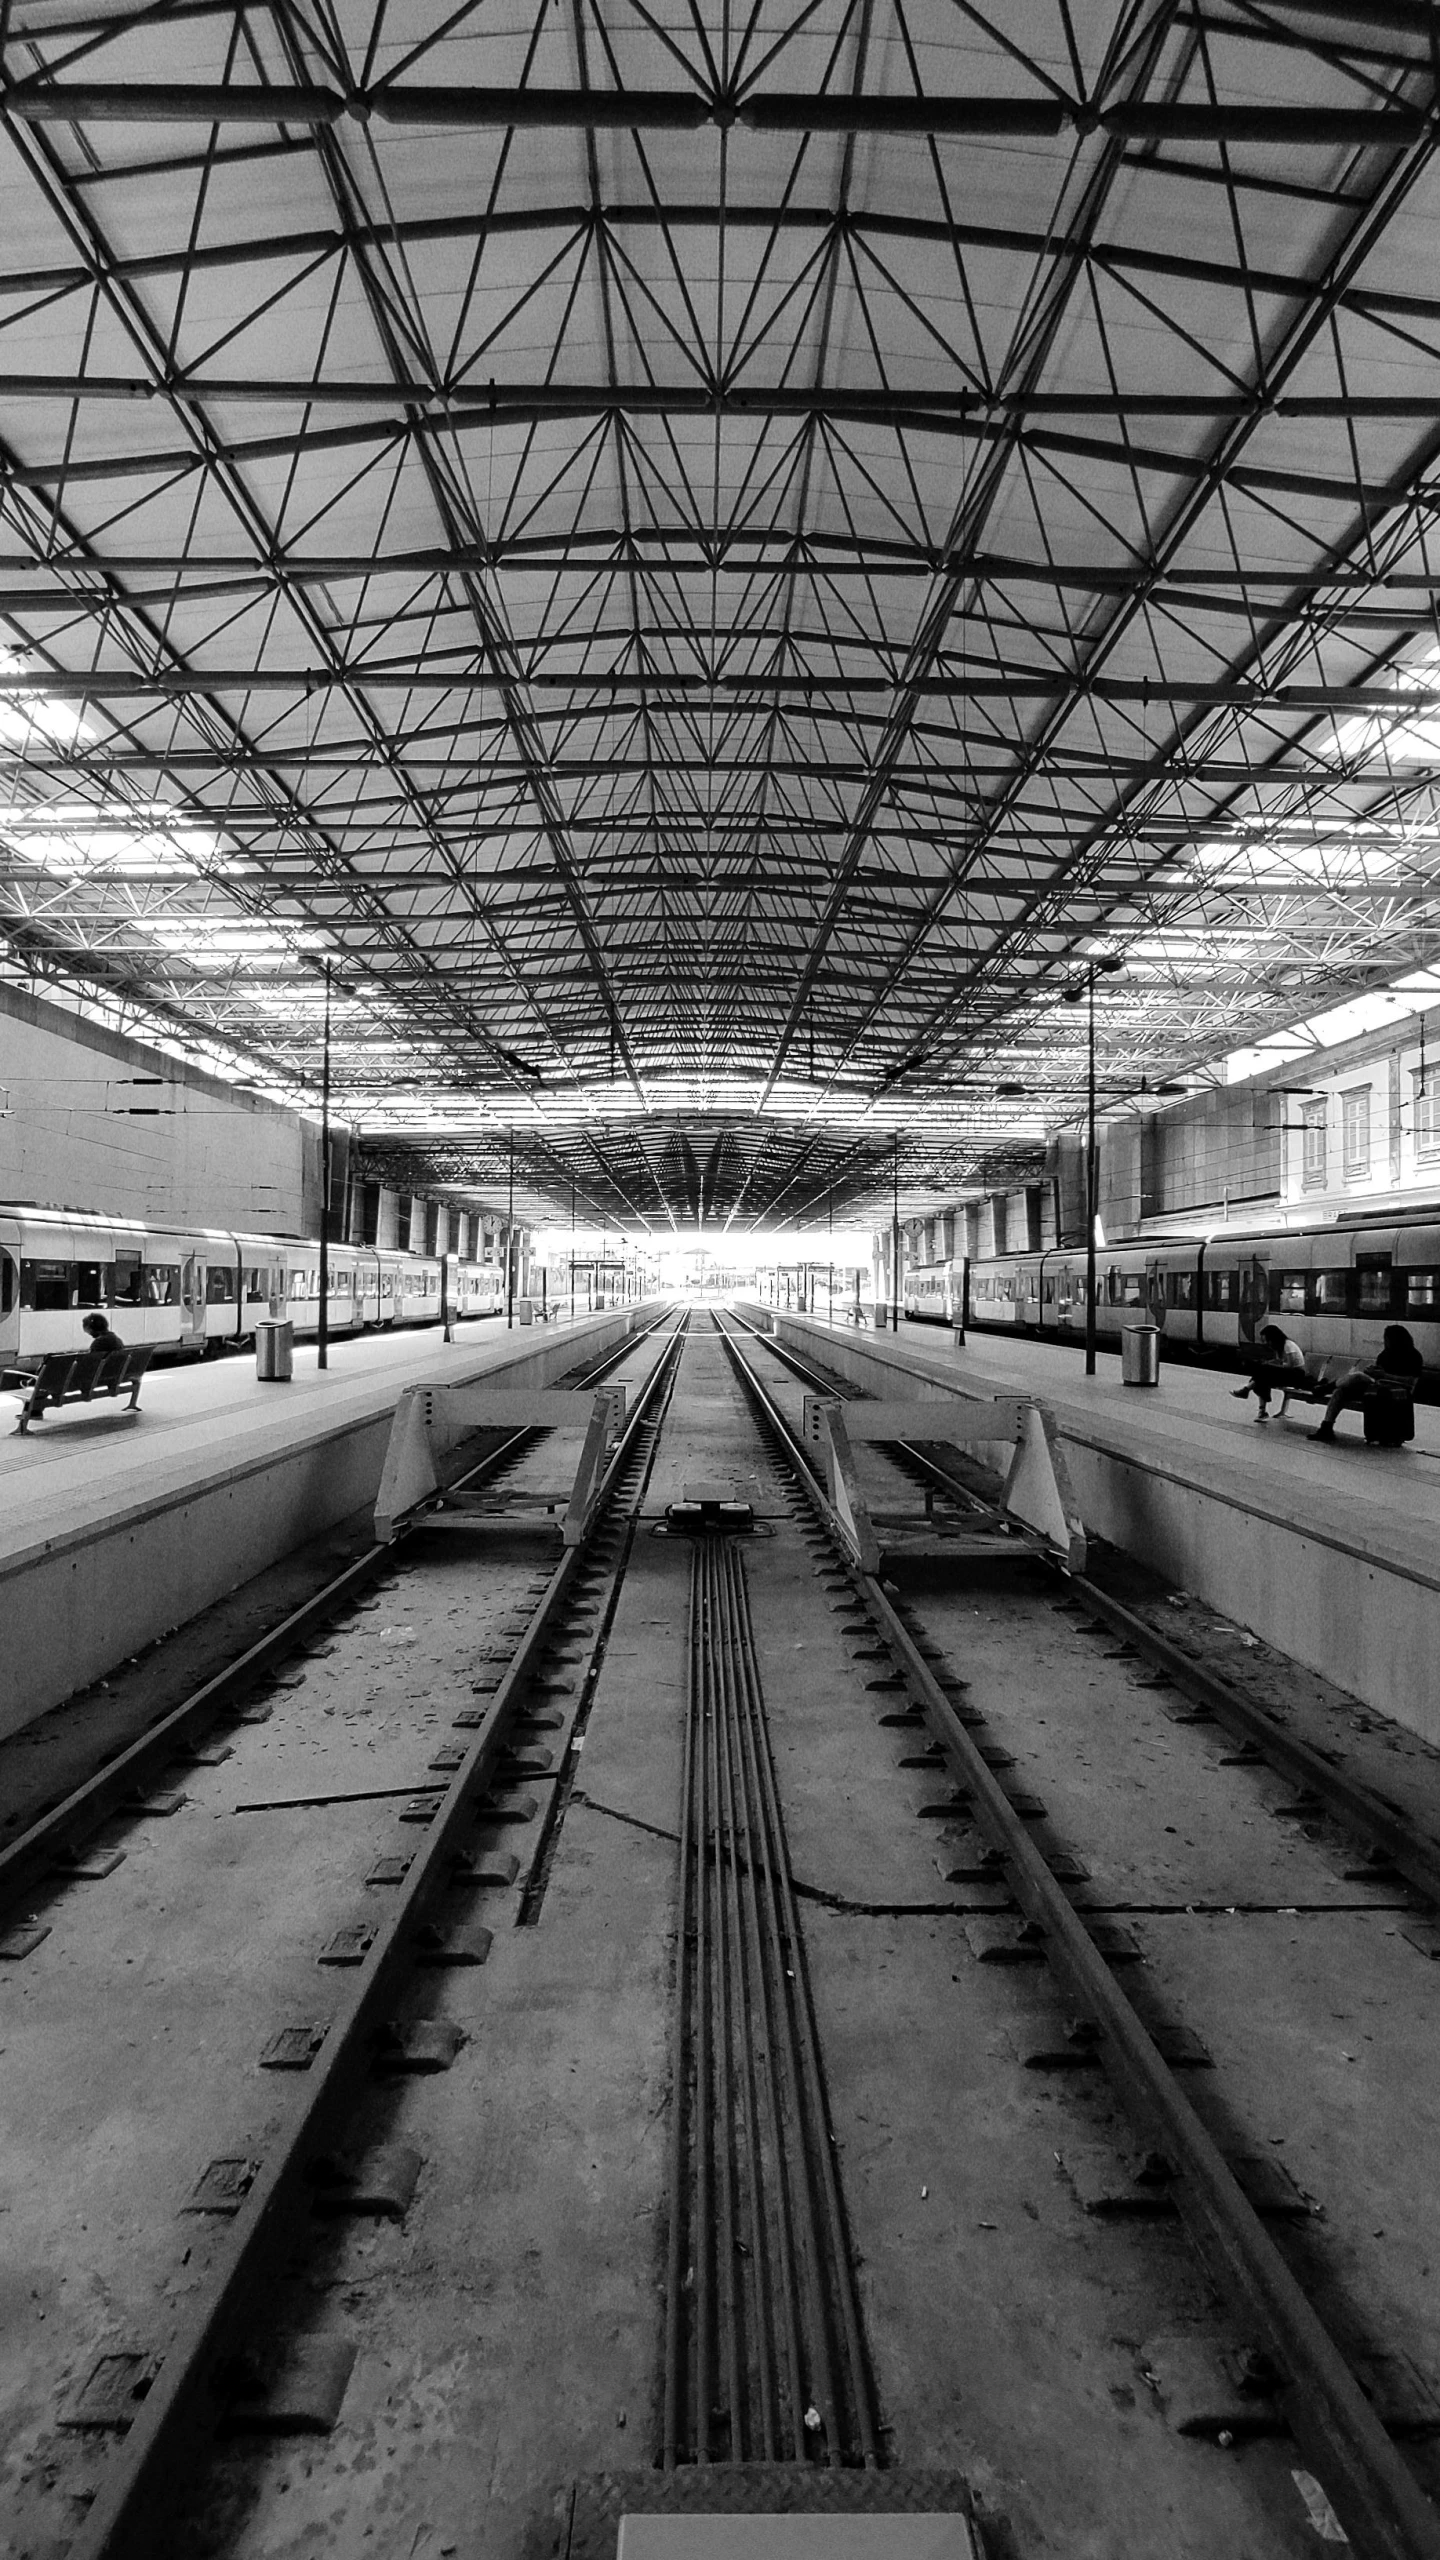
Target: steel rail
821	2148
728	2022
28	1862
756	2296
149	2471
1413	1852
792	2166
672	2418
1378	2500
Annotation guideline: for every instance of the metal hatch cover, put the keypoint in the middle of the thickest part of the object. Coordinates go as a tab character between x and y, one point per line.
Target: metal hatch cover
795	2537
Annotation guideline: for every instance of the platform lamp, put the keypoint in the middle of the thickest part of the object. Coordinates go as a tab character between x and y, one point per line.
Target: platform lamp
1076	992
322	1348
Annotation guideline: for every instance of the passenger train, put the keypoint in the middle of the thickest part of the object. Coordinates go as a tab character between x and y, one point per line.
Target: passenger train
194	1290
1333	1289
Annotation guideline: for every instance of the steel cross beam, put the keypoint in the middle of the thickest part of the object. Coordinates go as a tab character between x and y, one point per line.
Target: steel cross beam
52	181
1025	364
1393	192
495	641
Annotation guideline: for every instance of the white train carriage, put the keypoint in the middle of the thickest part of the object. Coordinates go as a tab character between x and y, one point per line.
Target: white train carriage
188	1291
1333	1289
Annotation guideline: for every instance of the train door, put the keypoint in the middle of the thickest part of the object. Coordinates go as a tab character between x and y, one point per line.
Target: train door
1155	1291
192	1302
1254	1298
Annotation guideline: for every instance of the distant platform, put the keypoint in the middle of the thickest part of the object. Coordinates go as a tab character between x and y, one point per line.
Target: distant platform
115	1527
1329	1551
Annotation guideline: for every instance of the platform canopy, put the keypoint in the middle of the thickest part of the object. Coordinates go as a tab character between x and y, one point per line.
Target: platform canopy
704	560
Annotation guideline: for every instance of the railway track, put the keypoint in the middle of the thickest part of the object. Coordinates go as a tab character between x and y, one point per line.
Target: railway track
305	2106
935	1932
1332	2377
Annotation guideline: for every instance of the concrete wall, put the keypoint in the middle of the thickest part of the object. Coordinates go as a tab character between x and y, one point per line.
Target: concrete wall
96	1121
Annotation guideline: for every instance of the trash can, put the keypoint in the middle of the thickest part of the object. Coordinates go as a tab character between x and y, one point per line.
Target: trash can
275	1348
958	1337
524	1310
1140	1355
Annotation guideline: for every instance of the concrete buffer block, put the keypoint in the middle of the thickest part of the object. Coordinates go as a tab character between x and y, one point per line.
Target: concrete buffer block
430	1422
1037	1496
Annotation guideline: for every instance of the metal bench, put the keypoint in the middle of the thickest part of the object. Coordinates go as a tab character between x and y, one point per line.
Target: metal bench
76	1377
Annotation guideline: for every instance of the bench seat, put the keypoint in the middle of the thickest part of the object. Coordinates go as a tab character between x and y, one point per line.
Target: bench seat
70	1377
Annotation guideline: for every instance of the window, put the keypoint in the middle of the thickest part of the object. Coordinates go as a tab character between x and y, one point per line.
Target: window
1355	1133
1332	1293
1290	1293
90	1284
7	1285
299	1284
1372	1284
1134	1289
1426	1089
1179	1288
1422	1292
1312	1146
1222	1290
162	1284
219	1285
45	1286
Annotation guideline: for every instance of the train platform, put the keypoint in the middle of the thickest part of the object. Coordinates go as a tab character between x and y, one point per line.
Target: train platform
116	1528
1329	1551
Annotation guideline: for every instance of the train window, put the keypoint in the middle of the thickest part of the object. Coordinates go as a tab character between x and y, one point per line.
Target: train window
7	1284
89	1284
257	1283
219	1285
1422	1292
1372	1288
1222	1290
1133	1283
1332	1293
46	1285
1288	1292
1180	1288
162	1284
127	1281
1049	1293
299	1284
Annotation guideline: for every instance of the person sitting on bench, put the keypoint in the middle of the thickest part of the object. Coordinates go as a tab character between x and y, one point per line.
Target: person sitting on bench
1396	1372
1280	1368
103	1342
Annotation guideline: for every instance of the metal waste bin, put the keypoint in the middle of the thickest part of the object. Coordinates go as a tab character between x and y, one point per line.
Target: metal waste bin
275	1348
524	1310
1140	1355
958	1337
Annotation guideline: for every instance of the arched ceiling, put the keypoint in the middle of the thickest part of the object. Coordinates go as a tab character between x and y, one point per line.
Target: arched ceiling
702	559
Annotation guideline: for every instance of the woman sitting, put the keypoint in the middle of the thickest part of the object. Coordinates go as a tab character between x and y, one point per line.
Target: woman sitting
1396	1373
1280	1368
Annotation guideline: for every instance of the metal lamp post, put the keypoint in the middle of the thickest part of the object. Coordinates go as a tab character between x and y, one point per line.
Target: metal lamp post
322	1351
1076	993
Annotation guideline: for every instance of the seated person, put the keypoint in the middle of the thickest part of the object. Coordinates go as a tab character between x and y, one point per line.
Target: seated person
1280	1367
102	1341
1398	1368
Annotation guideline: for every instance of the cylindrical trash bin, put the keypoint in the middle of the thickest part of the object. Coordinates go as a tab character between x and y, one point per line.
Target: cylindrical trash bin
1140	1355
524	1311
275	1349
958	1337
